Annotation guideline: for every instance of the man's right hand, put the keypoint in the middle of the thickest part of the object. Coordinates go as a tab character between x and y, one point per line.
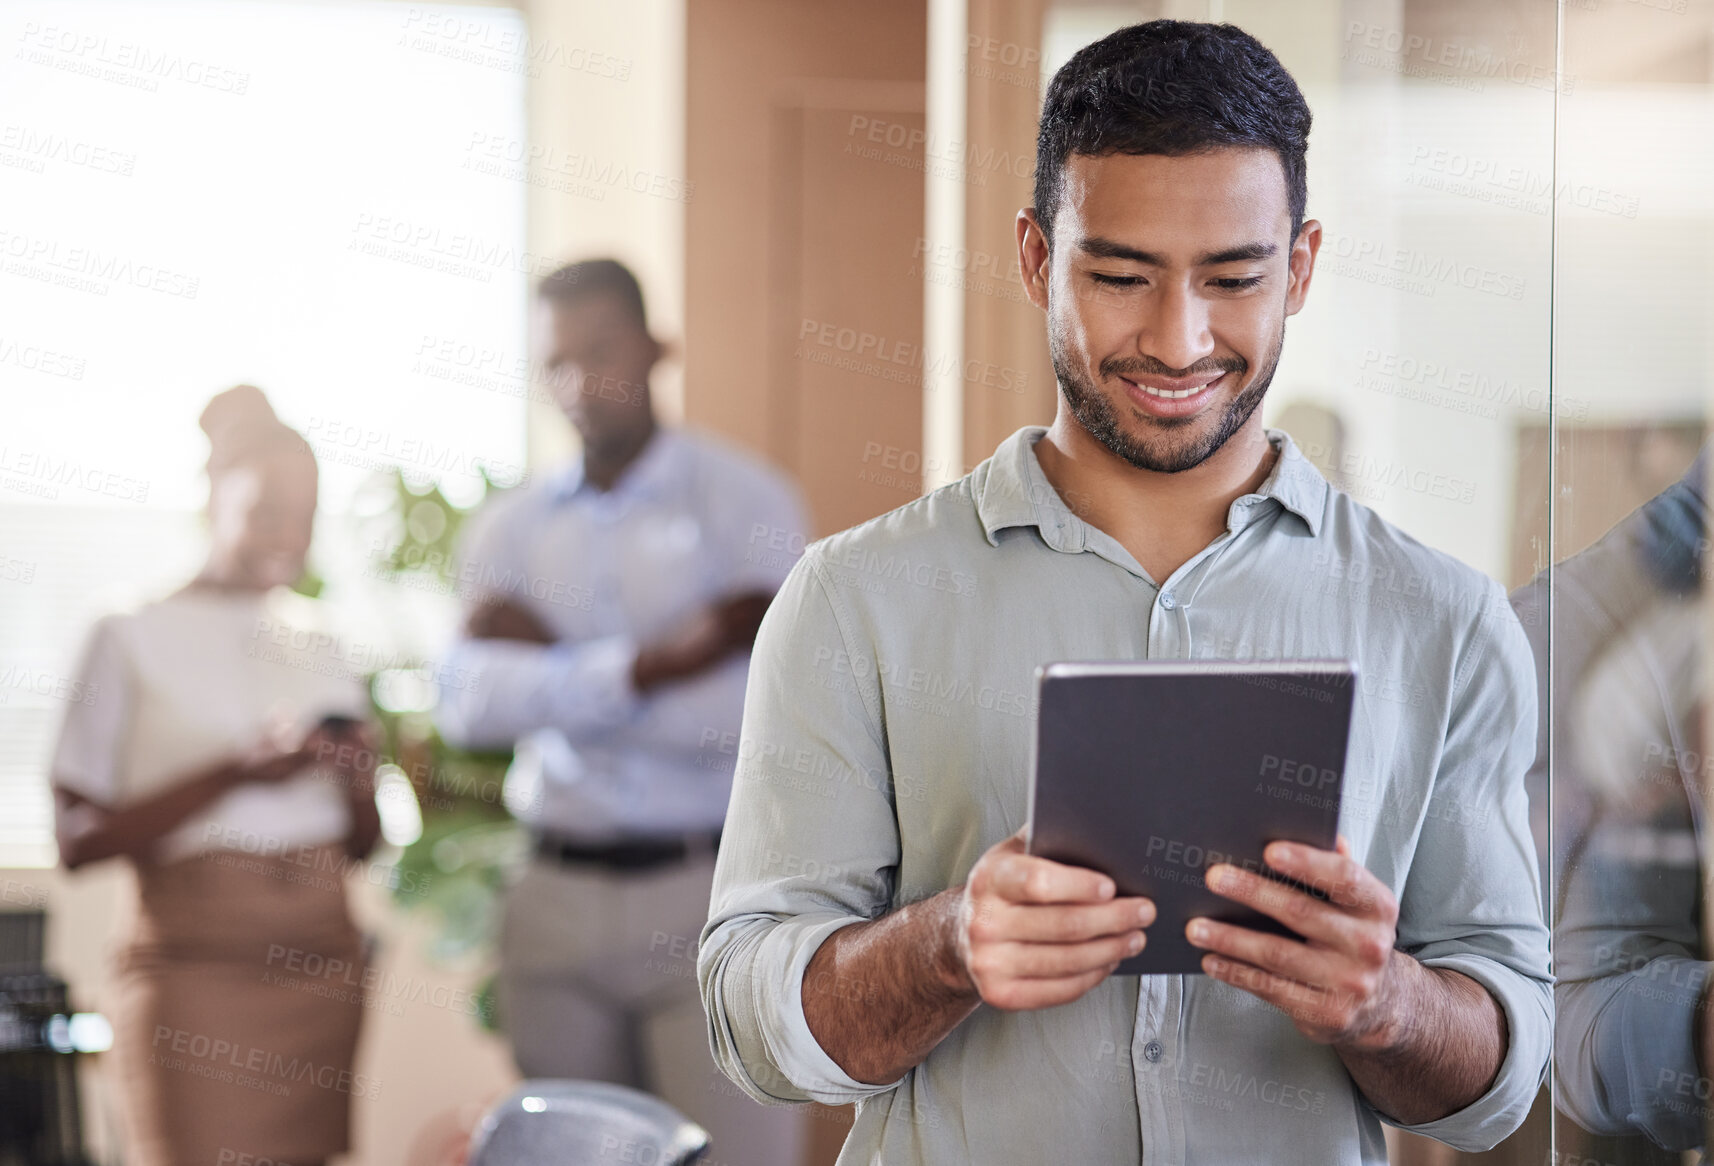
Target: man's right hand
1032	933
1023	932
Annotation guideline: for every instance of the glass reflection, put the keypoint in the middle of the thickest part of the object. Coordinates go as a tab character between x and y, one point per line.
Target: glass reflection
1620	622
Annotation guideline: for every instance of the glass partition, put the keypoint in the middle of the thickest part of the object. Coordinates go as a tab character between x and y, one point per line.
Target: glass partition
1632	360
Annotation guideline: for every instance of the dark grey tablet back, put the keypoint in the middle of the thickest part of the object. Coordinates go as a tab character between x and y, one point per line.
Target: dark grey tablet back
1153	771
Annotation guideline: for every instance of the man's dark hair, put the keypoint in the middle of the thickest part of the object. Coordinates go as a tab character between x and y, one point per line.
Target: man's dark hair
589	277
1171	87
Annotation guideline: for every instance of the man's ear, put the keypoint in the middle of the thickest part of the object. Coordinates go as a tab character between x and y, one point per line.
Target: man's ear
1301	265
1033	257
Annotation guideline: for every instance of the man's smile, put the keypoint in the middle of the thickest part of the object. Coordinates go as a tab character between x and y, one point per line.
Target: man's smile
1171	397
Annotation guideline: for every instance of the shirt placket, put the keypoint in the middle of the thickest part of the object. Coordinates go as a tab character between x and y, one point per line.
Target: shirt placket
606	547
1157	1037
1155	1051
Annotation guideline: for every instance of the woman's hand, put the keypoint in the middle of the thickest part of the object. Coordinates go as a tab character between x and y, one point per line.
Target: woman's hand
351	749
282	750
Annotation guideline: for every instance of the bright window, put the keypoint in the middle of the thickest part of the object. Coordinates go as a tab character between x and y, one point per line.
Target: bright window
293	195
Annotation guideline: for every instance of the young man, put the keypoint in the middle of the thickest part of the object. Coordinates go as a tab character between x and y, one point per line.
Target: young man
614	607
877	933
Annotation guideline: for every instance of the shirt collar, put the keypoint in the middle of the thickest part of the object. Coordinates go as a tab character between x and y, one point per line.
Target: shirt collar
652	473
1011	490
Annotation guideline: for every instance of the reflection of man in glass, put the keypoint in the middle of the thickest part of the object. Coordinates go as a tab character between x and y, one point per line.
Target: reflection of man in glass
1633	1041
610	643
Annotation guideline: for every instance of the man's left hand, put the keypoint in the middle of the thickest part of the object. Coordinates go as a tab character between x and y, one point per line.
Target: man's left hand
1340	982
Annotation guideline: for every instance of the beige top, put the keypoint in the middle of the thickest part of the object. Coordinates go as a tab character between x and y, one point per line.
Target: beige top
195	678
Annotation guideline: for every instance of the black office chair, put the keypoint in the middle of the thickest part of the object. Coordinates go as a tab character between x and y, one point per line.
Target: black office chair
584	1123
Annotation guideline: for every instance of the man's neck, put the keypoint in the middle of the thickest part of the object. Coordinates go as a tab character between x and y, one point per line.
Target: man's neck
604	465
1162	519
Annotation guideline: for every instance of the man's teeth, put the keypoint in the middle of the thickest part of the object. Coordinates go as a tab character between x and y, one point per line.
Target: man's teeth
1170	394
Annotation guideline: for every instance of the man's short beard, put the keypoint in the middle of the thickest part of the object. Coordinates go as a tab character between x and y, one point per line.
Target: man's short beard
1163	456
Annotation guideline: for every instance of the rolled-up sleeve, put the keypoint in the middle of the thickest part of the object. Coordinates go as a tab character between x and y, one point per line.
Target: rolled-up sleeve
1472	903
811	844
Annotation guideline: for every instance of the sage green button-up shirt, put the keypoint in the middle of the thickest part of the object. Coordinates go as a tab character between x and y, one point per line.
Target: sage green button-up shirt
886	746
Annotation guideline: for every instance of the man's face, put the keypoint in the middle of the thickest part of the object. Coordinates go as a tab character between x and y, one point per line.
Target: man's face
1166	291
597	357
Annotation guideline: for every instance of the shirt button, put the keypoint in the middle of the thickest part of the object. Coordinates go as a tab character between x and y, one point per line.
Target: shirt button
1153	1050
1167	601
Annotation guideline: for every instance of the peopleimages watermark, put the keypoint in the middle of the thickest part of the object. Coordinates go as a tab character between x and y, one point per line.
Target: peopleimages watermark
231	1157
1366	476
1461	390
982	272
1431	58
927	690
295	862
905	362
123	62
443	573
461	37
17	570
449	252
347	981
1509	185
372	447
901	468
1383	264
42	475
897	144
38	359
566	171
481	366
22	894
1236	1083
21	678
88	269
237	1063
326	654
988	58
24	148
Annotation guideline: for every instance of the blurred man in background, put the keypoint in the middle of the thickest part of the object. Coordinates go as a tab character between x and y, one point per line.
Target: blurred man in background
617	602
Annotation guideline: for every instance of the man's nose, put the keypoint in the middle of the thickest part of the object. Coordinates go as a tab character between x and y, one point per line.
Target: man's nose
1175	329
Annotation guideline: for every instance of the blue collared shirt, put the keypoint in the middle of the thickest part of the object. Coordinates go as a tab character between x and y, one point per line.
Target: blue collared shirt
886	746
690	522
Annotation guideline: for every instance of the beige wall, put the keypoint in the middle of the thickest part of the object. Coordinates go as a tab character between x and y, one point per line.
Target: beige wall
637	123
771	241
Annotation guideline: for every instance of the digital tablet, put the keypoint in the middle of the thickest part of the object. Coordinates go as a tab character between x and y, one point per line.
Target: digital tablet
1153	771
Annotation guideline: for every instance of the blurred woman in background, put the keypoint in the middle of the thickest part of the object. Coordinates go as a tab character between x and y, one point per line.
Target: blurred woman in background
222	747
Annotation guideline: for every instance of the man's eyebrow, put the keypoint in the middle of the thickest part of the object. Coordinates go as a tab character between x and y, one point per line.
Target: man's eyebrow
1101	248
1248	253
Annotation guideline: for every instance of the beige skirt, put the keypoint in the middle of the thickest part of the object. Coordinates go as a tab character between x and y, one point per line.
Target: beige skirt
240	997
